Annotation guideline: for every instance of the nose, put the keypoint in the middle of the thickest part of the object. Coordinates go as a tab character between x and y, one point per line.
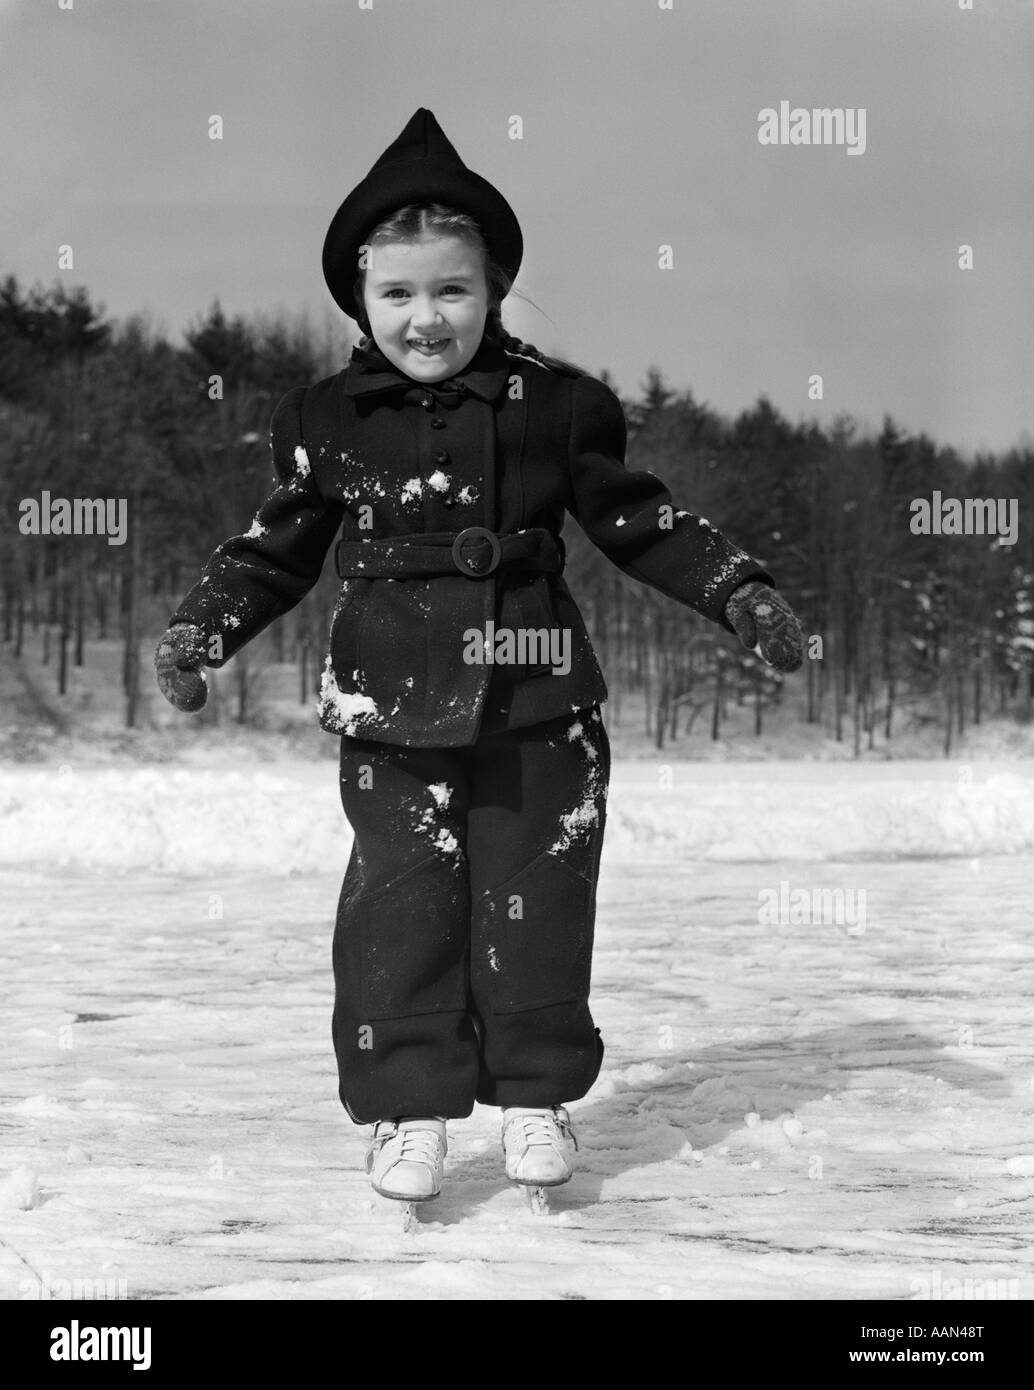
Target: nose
425	316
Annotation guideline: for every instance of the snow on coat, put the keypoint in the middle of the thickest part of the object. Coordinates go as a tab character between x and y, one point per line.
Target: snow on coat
507	444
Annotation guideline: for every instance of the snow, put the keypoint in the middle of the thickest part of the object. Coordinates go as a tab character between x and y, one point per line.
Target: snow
19	1190
574	823
784	1111
301	460
288	821
1022	1166
347	707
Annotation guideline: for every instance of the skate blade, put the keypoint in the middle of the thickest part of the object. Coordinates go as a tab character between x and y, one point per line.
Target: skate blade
408	1207
537	1197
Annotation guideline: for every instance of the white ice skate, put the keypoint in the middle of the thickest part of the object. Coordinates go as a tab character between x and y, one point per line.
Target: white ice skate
405	1161
539	1146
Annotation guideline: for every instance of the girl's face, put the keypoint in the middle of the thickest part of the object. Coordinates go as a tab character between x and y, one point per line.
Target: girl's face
427	302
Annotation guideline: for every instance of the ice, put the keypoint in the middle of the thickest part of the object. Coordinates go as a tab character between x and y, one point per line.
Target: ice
170	1083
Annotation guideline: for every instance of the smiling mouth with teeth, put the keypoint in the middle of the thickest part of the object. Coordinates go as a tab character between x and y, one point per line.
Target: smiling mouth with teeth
427	342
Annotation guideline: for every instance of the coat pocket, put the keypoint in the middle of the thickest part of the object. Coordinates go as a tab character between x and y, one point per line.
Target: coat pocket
527	604
392	643
349	611
533	935
414	940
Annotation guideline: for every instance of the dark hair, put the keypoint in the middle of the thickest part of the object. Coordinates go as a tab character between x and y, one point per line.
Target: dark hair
418	219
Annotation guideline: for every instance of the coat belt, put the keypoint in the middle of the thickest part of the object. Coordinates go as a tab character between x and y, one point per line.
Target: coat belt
475	552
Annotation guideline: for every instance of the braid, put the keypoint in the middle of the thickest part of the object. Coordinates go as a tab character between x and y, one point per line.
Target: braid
496	332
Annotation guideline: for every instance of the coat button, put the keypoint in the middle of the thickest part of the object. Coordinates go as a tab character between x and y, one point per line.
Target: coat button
441	456
437	423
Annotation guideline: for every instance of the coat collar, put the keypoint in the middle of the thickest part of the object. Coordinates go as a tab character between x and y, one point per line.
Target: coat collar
485	375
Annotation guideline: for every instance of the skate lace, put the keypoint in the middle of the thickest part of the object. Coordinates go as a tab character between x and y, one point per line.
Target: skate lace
546	1129
418	1146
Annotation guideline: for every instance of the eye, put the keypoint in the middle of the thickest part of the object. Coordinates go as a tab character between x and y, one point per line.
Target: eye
396	290
454	289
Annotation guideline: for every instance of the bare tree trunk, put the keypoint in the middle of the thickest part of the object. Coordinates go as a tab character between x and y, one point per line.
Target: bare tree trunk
80	609
870	714
35	578
64	633
241	673
716	710
101	605
812	682
303	668
977	689
131	655
617	651
960	703
890	708
647	684
620	646
857	722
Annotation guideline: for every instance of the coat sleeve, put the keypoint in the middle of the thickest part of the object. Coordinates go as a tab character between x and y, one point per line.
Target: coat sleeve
631	518
255	578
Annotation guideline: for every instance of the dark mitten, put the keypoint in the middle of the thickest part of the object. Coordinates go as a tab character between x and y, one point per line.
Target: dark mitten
177	662
763	618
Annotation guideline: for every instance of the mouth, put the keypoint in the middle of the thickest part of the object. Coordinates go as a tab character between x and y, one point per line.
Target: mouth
428	347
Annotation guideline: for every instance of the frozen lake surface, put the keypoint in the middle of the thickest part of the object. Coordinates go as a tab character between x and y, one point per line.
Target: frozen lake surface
790	1106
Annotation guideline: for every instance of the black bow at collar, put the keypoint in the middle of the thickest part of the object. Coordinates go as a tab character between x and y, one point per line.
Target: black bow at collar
485	375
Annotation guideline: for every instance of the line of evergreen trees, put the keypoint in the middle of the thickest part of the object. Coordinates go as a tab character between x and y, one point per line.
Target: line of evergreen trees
904	626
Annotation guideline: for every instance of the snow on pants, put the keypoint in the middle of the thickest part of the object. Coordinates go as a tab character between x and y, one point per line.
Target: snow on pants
463	945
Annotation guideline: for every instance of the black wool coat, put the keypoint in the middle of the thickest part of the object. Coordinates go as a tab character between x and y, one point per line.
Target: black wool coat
507	444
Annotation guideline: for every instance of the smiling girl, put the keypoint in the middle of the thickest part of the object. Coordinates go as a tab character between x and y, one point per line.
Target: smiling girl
446	454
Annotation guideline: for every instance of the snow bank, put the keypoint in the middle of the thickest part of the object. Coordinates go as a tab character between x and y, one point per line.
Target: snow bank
192	822
19	1190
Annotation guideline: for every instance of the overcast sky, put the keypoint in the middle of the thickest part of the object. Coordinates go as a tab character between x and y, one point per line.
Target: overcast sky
640	129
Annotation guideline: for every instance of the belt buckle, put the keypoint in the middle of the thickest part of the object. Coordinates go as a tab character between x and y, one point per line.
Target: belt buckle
465	566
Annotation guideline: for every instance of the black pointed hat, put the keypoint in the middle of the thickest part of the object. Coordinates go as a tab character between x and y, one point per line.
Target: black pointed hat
420	166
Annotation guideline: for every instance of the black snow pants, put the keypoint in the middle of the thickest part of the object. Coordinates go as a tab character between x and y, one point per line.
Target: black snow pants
463	944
